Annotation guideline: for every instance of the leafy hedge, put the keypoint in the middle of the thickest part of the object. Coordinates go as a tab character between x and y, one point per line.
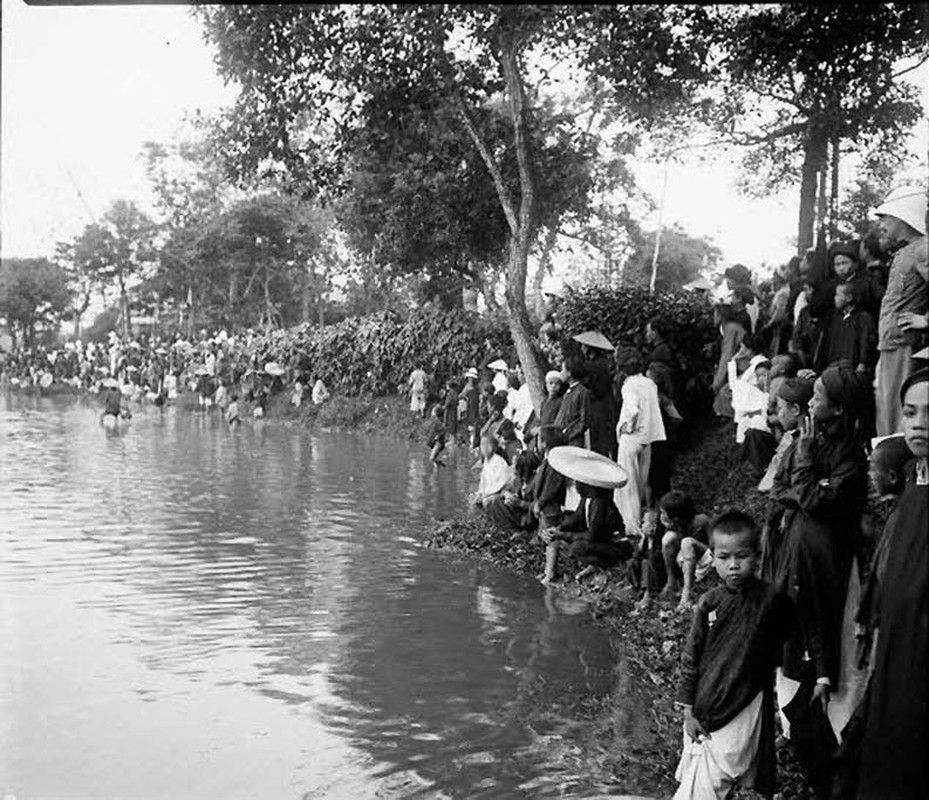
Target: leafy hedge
621	315
374	355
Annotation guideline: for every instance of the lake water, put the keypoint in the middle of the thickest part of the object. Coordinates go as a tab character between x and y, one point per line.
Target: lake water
192	612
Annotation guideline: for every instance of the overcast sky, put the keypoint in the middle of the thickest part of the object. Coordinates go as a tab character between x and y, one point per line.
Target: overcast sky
83	88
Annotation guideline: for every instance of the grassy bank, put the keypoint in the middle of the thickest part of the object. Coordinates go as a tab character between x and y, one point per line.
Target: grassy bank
635	735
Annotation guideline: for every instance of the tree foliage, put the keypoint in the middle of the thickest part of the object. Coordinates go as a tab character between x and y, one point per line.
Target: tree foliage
804	78
34	294
681	257
116	250
317	82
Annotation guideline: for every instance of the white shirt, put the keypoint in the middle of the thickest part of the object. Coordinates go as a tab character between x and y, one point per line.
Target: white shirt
641	410
500	382
496	475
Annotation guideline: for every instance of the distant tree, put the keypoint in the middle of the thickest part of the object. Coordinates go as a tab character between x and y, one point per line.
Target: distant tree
315	81
115	250
807	83
34	294
681	257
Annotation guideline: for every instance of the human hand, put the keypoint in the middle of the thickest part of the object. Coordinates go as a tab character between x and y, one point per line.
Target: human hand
821	695
693	728
807	430
908	321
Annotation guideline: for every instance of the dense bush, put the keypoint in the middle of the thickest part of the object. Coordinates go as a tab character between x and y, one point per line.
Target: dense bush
375	355
621	315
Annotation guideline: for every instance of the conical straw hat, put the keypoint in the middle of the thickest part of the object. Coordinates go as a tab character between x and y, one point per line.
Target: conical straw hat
594	339
586	466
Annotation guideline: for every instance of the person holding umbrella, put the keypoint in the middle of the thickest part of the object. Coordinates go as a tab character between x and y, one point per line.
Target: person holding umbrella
596	349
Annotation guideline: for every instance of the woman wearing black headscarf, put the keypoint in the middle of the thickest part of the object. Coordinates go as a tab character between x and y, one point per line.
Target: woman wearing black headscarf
822	487
896	734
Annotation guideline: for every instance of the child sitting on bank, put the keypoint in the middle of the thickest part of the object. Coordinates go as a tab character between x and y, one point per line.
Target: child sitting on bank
685	546
549	488
436	435
727	671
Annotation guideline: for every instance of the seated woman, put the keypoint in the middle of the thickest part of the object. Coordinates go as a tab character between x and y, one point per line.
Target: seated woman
590	531
499	427
496	473
512	510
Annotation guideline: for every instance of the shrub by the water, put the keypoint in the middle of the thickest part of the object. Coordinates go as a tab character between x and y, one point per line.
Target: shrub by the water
621	315
374	355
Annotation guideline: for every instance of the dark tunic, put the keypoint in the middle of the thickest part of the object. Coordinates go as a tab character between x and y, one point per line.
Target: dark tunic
548	413
848	336
590	530
111	402
451	412
730	656
867	292
548	490
822	488
574	414
896	737
603	414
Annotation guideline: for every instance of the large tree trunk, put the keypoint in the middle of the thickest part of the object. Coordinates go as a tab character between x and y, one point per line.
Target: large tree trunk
545	264
814	157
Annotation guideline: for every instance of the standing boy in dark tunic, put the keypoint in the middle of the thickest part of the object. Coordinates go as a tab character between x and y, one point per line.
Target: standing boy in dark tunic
896	736
727	671
574	414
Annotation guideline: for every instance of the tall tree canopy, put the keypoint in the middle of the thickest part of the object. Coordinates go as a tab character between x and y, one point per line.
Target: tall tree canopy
116	250
810	81
34	293
316	82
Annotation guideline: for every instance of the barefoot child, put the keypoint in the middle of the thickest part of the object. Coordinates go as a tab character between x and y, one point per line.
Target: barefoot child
232	411
437	434
684	546
549	494
727	671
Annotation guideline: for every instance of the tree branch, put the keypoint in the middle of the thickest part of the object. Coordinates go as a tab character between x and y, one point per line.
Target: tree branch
492	167
923	59
517	100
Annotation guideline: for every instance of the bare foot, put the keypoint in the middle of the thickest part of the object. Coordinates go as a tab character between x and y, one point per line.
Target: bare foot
584	573
669	591
643	605
685	605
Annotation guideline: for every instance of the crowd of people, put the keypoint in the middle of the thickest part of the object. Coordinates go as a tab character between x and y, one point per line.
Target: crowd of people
819	612
222	371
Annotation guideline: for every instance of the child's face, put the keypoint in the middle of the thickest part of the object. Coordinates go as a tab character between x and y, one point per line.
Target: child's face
763	378
808	290
734	557
916	419
821	407
843	298
553	386
665	519
882	480
843	266
788	414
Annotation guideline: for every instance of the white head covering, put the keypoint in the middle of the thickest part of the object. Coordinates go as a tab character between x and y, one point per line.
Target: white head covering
908	203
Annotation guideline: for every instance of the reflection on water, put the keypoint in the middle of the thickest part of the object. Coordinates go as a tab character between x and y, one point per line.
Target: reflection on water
188	611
